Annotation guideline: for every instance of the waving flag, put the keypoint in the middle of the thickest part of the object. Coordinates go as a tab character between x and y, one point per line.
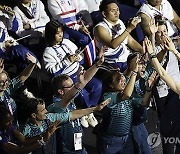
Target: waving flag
90	52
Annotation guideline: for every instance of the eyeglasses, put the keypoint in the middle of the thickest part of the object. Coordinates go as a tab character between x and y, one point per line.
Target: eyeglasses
68	86
2	83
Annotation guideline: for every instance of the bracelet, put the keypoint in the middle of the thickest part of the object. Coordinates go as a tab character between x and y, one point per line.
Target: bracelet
97	65
153	56
134	72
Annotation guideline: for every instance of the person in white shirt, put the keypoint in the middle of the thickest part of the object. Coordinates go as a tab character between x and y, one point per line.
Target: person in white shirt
152	9
113	34
32	18
75	17
61	57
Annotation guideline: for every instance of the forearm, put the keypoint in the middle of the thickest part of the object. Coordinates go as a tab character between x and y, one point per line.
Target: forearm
91	71
135	45
118	40
15	149
146	99
80	113
27	72
130	87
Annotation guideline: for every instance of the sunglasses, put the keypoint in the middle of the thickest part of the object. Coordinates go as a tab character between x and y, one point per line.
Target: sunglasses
68	86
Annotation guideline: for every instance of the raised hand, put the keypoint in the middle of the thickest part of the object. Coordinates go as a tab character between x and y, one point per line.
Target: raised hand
102	105
51	129
169	45
149	46
81	73
132	23
33	60
153	26
151	80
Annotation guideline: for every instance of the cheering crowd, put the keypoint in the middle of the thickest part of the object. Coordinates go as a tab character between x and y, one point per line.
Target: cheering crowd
102	56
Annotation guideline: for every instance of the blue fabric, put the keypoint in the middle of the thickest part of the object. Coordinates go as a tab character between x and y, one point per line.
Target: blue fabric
6	137
107	144
2	36
80	39
65	134
117	115
140	135
15	25
121	65
90	93
17	54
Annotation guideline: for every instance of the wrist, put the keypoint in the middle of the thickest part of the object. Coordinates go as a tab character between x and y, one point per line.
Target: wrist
128	30
153	55
134	73
97	65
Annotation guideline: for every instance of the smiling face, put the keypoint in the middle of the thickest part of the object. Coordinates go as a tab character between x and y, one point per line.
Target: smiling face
161	34
119	82
112	13
41	112
59	36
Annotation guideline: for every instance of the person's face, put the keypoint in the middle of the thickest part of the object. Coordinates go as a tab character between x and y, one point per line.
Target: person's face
161	34
6	123
119	82
41	112
141	68
59	36
3	82
155	2
67	85
111	13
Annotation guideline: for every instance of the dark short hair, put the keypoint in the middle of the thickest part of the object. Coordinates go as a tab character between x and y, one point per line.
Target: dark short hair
30	106
57	82
162	22
131	57
108	80
51	30
104	3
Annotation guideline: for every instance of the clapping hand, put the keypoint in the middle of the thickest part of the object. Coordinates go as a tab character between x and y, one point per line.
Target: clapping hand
151	80
153	26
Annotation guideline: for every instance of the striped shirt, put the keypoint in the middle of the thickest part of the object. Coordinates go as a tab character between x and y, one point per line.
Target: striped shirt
117	119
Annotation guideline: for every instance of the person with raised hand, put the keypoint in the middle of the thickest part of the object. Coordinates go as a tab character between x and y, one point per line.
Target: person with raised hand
13	141
66	91
8	87
169	122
